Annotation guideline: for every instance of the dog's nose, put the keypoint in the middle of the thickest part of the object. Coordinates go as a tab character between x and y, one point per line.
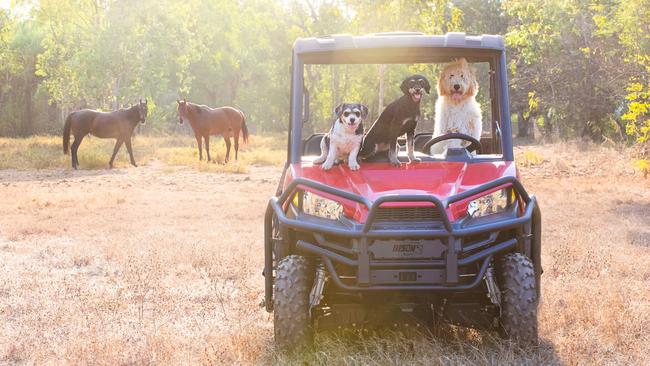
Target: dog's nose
456	86
352	119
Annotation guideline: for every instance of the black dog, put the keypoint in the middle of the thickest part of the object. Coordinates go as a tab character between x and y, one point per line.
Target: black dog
399	118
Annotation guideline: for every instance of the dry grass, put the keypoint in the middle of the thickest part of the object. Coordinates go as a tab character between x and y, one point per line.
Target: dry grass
161	265
45	152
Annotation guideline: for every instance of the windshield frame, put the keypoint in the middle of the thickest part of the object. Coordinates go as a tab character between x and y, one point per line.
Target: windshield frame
496	58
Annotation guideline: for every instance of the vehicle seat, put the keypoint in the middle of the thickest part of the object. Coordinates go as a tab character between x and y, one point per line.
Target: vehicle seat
311	146
420	139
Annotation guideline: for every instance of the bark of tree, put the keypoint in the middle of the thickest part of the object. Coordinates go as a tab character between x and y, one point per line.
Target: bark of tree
522	125
382	73
28	119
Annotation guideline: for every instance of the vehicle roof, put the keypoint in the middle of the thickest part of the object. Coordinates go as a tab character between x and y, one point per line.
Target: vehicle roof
397	40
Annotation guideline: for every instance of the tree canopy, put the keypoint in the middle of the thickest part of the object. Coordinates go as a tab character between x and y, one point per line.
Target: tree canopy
577	68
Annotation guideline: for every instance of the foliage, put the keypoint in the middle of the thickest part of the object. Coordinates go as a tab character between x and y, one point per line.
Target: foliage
579	68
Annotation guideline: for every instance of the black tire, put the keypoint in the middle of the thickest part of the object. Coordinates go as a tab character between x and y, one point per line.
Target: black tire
291	320
516	277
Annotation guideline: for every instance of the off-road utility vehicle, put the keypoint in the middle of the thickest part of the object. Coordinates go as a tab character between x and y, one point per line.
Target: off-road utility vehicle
455	237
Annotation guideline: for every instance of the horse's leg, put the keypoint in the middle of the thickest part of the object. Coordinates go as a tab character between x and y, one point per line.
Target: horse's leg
207	147
130	150
198	141
227	140
236	144
118	144
74	148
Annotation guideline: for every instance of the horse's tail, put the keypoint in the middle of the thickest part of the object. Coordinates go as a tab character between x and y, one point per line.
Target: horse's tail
66	134
244	129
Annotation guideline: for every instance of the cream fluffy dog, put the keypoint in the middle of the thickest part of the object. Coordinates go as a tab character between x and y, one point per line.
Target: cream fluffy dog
457	110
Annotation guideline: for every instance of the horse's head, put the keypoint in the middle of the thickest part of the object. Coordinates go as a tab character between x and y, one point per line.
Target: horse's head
182	110
143	110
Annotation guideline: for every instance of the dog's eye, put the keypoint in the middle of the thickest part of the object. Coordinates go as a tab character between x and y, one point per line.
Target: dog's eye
462	76
451	76
346	113
357	113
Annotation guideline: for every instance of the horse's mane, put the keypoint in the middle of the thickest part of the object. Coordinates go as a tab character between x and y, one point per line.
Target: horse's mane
200	107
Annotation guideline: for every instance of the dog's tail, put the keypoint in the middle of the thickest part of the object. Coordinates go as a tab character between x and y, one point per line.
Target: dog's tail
244	129
66	134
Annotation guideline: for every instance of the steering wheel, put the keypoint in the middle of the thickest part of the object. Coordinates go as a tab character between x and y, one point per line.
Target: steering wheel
475	145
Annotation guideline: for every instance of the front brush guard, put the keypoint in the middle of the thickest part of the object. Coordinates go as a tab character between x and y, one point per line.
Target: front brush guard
451	233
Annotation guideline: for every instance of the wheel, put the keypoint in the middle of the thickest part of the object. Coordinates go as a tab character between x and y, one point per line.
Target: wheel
291	319
516	278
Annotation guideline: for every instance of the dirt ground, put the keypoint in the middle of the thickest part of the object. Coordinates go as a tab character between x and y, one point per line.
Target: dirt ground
163	265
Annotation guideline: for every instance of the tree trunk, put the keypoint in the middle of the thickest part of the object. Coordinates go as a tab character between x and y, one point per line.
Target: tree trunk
522	125
28	122
622	130
382	73
336	93
548	127
116	93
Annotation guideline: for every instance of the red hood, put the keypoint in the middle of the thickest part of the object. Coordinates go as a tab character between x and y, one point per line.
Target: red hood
441	179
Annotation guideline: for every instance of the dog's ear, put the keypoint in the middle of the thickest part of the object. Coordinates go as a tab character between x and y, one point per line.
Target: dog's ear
364	110
339	109
404	86
427	86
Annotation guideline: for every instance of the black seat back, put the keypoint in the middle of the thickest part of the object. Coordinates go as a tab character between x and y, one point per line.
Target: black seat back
311	146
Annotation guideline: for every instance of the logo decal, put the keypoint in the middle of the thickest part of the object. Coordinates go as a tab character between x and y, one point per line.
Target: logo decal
407	249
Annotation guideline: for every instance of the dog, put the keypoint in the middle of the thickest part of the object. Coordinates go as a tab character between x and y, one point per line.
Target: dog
398	118
457	110
344	137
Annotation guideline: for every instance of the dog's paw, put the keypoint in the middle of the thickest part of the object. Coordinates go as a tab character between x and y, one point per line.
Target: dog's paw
354	166
327	165
395	163
415	160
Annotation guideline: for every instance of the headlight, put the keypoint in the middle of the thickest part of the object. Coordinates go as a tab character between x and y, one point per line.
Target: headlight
492	203
313	204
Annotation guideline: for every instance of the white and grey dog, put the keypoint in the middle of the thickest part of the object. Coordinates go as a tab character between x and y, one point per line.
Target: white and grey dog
344	138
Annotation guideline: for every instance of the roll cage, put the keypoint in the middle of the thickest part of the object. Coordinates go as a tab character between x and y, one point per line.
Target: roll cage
394	48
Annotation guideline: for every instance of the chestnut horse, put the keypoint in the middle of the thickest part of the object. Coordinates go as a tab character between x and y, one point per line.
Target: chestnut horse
205	121
117	125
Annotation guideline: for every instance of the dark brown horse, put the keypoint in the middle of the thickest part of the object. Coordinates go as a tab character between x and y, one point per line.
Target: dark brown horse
117	125
205	121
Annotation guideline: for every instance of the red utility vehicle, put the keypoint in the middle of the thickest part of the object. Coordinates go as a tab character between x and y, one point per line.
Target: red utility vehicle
454	237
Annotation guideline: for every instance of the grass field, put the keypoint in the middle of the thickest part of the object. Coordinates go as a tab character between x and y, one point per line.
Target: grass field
161	264
46	152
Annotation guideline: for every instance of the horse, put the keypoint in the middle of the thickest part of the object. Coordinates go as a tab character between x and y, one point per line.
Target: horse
118	125
205	121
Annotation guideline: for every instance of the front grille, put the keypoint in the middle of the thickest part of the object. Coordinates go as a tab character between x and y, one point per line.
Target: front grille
417	213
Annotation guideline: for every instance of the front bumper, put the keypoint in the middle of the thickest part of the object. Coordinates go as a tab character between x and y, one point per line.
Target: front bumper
463	262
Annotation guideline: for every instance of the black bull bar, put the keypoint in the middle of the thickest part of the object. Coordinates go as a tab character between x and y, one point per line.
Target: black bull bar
529	242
